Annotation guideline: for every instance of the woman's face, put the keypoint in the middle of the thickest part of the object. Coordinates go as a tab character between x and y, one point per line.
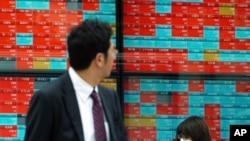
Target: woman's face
182	137
185	139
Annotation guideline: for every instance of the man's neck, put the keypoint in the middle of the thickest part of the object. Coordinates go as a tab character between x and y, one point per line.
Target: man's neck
89	76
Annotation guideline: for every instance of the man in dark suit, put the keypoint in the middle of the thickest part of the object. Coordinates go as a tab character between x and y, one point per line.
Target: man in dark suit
63	110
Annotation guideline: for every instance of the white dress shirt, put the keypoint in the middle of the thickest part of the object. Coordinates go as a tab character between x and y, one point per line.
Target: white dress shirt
85	103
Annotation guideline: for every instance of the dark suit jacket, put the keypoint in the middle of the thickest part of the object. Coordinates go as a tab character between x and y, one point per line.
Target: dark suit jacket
54	114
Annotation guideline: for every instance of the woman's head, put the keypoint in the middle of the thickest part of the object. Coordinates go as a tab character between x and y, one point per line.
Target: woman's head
194	128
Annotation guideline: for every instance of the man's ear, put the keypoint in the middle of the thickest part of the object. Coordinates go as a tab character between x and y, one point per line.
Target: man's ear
99	59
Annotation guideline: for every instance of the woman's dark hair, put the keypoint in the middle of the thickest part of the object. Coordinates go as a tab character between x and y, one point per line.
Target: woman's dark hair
194	127
85	40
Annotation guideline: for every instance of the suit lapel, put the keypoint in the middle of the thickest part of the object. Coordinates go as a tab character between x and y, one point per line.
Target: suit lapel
105	103
72	106
107	109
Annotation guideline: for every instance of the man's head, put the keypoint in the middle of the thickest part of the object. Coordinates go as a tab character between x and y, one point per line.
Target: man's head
88	40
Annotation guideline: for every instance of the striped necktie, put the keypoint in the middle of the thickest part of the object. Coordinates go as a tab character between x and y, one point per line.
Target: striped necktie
100	134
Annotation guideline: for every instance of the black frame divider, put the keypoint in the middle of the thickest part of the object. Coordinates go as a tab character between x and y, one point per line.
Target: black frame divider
119	45
211	76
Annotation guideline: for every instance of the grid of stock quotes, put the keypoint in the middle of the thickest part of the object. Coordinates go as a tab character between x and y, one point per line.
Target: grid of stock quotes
165	36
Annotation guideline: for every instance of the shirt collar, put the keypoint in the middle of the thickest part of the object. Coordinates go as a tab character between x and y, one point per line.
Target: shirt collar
80	85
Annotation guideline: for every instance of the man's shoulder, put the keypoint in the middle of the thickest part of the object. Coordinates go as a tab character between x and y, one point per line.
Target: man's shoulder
103	87
56	84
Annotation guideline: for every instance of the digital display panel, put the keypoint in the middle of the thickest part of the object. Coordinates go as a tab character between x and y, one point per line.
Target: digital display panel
198	36
154	107
201	36
15	94
33	32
